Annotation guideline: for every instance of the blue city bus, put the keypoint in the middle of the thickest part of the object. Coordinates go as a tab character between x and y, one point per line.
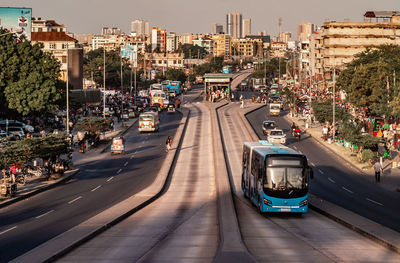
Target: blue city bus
174	86
275	178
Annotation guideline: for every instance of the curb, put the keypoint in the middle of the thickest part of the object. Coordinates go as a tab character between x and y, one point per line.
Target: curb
55	248
39	190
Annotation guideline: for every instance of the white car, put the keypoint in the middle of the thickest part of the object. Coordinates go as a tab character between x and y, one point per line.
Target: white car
277	136
18	132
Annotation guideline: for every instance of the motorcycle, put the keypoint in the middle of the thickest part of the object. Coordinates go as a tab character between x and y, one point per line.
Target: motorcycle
8	188
298	136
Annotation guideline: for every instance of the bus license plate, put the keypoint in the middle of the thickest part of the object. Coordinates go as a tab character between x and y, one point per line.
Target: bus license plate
285	209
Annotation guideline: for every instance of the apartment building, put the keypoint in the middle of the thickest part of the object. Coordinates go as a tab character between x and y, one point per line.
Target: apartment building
186	38
342	40
246	48
42	25
172	42
111	31
278	49
166	60
305	30
158	39
284	37
222	45
205	42
217	29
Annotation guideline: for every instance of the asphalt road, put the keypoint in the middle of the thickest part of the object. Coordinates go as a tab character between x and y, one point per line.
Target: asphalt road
103	181
335	180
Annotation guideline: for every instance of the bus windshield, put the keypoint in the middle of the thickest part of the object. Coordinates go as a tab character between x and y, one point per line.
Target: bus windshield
285	178
146	118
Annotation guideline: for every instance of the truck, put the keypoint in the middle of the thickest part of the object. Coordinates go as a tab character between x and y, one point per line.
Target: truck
274	109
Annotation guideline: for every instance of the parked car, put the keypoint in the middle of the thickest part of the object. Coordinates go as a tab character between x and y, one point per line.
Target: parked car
277	136
18	132
267	126
14	123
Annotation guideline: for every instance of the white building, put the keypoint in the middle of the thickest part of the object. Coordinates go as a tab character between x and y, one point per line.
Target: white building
172	42
246	27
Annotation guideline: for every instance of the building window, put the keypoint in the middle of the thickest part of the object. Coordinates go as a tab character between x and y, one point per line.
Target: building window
174	61
64	46
165	62
160	62
52	46
64	60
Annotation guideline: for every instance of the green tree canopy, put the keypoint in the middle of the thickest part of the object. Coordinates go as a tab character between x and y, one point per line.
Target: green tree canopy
28	77
192	51
323	111
175	74
369	80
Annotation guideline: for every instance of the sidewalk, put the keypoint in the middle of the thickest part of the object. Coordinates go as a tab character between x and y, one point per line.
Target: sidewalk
390	179
35	185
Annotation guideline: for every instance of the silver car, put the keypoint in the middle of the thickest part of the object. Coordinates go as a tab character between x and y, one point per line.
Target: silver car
18	132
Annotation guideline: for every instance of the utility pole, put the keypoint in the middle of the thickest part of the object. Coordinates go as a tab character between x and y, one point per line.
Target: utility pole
334	102
67	96
104	82
122	92
135	82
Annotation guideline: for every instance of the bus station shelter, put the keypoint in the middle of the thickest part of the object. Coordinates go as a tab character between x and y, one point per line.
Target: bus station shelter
214	82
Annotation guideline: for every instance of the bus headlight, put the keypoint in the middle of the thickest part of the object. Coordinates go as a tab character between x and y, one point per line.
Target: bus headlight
267	202
303	203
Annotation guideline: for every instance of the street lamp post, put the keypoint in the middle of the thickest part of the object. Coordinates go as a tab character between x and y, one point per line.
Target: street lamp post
334	102
67	92
122	92
104	82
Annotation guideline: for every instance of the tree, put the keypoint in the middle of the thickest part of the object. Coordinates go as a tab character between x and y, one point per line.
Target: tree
93	63
28	77
175	74
192	51
93	125
369	80
323	112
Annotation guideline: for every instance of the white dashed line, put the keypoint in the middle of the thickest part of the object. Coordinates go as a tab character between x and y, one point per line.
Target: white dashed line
131	157
109	179
344	188
119	171
94	189
126	163
5	231
375	202
295	147
319	170
300	152
76	199
42	215
330	179
312	163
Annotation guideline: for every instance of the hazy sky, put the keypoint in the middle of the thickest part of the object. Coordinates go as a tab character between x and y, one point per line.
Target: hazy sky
182	16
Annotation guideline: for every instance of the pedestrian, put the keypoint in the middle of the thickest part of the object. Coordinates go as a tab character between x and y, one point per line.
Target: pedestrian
168	144
378	170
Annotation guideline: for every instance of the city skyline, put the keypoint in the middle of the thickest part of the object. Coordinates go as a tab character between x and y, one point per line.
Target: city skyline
264	15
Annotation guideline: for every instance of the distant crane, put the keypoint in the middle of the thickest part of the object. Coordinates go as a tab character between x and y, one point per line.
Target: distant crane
280	26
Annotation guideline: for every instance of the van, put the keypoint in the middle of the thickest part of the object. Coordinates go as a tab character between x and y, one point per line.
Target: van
149	121
274	109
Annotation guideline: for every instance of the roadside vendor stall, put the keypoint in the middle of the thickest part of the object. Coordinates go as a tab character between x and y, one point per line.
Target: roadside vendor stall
217	86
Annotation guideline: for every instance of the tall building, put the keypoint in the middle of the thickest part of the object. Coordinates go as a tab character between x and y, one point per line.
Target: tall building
158	39
246	27
172	42
222	45
140	27
285	37
305	30
40	25
234	25
217	29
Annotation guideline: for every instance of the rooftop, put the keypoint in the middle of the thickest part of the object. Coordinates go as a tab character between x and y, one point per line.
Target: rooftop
51	36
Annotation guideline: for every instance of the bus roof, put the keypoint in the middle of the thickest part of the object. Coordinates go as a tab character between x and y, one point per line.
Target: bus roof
265	148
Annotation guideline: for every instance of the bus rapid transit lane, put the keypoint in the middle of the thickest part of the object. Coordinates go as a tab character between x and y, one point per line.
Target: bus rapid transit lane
287	237
182	224
343	176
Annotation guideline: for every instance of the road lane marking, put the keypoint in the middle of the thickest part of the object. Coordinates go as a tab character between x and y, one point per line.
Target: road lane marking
126	163
295	147
319	170
348	190
330	179
42	215
94	189
300	152
375	202
131	157
109	179
5	231
76	199
119	171
312	163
